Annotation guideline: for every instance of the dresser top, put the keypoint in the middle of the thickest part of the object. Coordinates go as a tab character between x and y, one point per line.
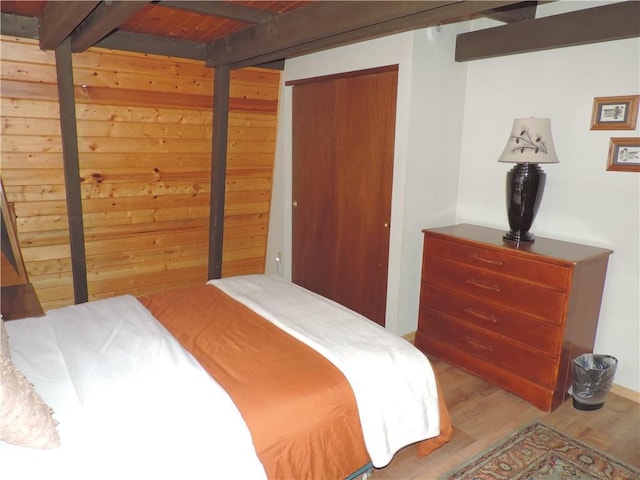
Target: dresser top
572	252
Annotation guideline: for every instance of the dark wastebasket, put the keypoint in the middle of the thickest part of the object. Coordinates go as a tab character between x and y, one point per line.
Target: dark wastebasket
592	378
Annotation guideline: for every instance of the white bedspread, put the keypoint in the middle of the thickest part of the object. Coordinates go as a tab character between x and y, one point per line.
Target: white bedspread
393	382
131	402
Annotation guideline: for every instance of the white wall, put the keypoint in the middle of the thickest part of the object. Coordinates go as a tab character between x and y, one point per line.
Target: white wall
453	120
582	202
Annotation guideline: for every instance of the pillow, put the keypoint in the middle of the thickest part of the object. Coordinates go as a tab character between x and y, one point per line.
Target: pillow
25	419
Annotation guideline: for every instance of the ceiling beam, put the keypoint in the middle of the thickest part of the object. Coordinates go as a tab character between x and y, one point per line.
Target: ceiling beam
222	9
275	65
19	26
59	19
333	24
171	47
306	24
599	24
101	22
517	12
156	45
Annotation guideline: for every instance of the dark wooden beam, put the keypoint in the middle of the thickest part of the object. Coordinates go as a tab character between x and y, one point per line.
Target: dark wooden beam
171	47
221	82
599	24
292	42
59	19
19	26
306	24
517	12
223	9
102	21
143	43
70	158
274	65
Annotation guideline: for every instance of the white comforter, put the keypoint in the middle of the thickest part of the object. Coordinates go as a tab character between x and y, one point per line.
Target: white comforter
393	382
131	402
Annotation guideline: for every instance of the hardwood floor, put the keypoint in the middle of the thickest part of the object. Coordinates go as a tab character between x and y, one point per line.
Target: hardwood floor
483	414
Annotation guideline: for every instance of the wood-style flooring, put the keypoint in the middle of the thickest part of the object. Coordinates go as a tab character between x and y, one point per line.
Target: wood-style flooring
482	414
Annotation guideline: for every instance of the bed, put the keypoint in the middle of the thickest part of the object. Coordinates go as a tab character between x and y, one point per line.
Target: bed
304	388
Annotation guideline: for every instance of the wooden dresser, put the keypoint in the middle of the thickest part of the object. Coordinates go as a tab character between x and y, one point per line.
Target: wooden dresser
515	315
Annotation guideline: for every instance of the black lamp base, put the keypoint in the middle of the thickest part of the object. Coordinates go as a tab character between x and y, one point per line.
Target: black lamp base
519	237
525	184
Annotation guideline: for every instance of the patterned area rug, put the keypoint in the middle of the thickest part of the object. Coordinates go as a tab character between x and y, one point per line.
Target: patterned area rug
539	452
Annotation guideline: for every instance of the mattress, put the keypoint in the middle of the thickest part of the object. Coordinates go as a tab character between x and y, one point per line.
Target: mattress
133	403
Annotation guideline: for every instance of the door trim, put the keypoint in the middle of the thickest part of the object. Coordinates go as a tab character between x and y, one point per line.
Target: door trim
336	76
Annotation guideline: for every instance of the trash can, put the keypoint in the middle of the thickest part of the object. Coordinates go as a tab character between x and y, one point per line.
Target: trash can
592	378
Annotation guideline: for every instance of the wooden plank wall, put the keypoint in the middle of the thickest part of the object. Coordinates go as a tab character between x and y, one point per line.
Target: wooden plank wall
144	128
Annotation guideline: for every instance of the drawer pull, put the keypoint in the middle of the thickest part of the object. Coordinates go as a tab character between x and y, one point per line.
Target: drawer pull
481	316
476	343
475	283
475	256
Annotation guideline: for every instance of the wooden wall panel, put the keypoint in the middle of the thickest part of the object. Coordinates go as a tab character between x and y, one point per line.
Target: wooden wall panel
144	140
31	167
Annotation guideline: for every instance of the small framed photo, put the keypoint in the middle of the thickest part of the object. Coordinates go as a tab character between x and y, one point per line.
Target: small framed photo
615	113
624	155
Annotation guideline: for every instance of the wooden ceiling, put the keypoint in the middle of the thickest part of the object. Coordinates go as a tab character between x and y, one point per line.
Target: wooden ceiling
246	33
177	19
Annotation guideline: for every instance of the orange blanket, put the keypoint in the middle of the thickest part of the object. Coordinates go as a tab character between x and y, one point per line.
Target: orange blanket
302	425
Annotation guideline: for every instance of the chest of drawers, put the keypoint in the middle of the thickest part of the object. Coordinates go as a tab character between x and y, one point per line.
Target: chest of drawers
515	315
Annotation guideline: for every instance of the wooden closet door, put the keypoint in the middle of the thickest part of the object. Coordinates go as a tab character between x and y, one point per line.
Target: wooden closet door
343	141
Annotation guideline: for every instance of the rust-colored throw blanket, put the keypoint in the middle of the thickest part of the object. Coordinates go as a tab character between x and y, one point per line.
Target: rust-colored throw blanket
299	407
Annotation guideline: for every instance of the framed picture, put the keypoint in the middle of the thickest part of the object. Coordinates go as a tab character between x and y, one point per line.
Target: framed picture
624	154
615	113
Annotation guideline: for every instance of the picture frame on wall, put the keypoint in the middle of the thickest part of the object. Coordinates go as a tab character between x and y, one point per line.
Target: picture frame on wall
615	113
624	154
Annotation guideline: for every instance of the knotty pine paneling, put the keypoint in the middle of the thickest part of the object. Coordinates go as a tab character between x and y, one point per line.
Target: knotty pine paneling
144	138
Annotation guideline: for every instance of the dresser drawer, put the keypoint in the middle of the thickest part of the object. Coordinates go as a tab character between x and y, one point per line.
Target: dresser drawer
538	335
539	395
488	347
549	274
537	301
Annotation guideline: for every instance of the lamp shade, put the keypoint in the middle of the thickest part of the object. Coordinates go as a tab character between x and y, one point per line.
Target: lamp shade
530	142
